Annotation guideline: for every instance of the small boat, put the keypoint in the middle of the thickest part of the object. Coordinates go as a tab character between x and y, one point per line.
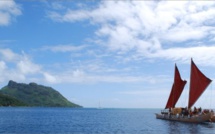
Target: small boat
198	84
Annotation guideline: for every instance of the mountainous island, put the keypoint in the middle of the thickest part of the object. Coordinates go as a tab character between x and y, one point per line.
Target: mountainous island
32	94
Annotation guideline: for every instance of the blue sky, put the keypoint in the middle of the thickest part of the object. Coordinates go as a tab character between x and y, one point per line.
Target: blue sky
120	54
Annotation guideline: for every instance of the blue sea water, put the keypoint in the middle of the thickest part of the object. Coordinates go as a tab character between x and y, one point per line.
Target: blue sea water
92	121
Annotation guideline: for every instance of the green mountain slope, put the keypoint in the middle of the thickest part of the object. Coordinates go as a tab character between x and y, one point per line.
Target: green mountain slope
6	100
36	95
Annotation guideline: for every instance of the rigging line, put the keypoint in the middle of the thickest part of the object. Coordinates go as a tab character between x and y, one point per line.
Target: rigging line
211	96
208	96
186	94
184	97
206	99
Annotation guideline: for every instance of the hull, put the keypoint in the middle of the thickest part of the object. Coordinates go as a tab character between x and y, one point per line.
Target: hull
213	119
194	119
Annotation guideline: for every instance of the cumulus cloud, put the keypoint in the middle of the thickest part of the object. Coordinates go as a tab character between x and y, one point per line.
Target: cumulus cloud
25	66
20	67
50	78
17	66
9	10
9	55
150	27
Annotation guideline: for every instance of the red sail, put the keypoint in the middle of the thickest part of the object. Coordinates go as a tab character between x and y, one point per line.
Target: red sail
177	89
198	84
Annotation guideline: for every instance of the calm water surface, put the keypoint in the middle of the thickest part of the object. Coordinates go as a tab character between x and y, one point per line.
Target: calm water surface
93	121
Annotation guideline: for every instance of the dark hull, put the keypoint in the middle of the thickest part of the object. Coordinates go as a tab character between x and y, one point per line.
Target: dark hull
213	119
194	119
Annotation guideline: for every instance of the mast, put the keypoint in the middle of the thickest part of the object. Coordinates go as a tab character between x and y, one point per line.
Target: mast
177	89
198	84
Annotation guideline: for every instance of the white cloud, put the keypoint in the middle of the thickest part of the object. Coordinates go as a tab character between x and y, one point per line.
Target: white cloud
2	65
50	78
20	67
25	66
8	11
185	32
70	16
64	48
9	55
79	76
14	66
147	26
78	73
203	54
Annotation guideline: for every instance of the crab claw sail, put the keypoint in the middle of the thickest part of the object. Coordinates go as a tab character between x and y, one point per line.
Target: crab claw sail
177	89
198	84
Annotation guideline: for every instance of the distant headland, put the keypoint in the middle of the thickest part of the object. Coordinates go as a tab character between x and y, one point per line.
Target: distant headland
32	94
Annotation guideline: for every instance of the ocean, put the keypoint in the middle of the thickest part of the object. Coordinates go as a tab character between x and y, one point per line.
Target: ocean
34	120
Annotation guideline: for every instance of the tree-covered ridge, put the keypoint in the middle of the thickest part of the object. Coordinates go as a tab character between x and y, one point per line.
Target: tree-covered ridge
36	95
6	100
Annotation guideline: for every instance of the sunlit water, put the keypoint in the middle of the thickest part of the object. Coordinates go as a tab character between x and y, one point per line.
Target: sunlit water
93	121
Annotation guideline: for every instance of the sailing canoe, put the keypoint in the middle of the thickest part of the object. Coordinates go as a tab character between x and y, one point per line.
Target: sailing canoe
198	84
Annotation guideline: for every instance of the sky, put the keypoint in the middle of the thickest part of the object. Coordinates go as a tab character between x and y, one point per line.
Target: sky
113	54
